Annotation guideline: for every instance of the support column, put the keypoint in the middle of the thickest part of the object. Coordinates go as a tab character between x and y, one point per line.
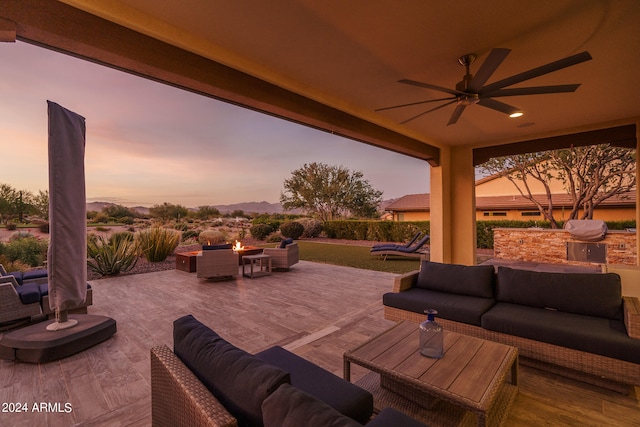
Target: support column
637	191
453	217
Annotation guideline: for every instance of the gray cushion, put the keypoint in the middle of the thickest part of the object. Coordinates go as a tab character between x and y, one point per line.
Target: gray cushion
344	397
476	280
591	294
459	308
606	337
237	379
290	407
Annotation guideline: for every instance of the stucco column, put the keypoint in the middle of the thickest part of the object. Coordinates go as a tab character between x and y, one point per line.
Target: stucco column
453	219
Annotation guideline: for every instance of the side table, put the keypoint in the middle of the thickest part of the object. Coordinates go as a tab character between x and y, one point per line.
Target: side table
262	263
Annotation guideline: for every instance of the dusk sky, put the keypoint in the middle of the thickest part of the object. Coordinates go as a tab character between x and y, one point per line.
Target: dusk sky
149	143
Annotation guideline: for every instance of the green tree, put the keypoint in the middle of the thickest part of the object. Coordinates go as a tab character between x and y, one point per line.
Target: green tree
40	203
330	192
119	212
590	175
206	212
168	211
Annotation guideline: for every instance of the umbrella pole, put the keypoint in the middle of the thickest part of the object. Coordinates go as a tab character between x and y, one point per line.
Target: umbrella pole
62	322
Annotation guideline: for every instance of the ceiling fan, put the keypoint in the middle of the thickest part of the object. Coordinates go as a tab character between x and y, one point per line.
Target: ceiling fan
471	89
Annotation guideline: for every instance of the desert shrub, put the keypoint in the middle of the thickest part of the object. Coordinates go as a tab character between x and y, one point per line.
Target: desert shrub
274	237
44	227
261	231
157	243
122	235
101	218
312	227
20	235
621	225
386	231
16	265
190	234
181	226
292	229
28	250
211	237
11	226
108	257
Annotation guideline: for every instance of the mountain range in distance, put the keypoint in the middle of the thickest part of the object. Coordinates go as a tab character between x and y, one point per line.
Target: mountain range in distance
246	207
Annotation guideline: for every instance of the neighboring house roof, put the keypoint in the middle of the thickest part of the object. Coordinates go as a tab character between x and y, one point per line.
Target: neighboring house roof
422	202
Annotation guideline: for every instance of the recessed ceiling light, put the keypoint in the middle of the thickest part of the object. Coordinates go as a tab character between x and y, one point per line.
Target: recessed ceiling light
516	114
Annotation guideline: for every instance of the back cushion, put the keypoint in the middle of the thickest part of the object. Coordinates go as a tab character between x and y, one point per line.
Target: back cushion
476	281
591	294
240	381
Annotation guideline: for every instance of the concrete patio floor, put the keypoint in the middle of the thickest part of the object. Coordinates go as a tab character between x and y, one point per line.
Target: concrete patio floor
315	310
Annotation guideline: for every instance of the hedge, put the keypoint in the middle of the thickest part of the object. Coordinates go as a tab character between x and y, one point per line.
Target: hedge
393	231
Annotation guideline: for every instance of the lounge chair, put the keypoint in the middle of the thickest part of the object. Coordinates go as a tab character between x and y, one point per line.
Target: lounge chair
15	306
217	263
411	252
284	255
385	246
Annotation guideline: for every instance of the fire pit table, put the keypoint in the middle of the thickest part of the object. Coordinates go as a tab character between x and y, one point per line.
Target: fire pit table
247	250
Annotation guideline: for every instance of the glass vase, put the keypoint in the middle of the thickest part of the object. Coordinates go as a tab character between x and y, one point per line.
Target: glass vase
431	336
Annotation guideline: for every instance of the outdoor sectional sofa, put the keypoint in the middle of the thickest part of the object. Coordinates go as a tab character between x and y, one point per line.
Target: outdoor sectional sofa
573	324
206	381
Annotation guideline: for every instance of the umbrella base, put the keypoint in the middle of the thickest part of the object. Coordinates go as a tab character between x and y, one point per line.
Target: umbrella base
36	344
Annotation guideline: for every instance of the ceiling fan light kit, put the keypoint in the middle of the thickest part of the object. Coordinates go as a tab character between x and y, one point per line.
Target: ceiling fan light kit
472	90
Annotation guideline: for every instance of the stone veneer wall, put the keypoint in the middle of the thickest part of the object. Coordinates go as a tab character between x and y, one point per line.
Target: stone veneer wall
550	246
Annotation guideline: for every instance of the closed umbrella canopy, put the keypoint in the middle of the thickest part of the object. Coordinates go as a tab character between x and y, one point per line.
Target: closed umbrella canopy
67	255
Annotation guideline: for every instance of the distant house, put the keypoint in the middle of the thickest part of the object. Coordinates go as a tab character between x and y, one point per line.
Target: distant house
497	198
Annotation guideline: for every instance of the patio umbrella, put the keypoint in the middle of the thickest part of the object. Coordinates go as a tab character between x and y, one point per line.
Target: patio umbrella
67	254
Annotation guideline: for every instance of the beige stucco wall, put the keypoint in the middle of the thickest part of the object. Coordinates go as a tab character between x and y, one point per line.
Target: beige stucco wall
503	187
605	214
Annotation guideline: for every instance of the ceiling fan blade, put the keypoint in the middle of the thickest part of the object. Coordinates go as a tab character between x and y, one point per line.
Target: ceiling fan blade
498	106
433	109
414	103
488	67
430	86
456	114
539	71
537	90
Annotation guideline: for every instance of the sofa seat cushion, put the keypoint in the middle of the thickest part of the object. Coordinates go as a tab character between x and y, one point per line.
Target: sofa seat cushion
476	280
290	407
390	417
29	293
591	294
240	381
597	335
459	308
346	398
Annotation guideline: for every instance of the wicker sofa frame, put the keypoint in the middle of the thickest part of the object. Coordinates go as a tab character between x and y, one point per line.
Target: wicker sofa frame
614	374
11	307
217	263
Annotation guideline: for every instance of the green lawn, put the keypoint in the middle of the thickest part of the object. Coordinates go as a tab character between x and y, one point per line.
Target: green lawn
354	256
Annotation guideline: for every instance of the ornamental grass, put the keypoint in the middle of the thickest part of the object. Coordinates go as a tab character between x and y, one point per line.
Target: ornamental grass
156	244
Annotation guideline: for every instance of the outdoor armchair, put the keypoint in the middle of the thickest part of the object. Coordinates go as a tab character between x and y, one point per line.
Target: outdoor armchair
283	257
216	263
11	306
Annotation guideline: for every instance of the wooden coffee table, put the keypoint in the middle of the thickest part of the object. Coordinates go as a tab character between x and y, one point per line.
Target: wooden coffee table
472	374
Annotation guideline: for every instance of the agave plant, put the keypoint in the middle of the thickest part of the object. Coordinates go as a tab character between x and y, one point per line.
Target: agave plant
157	243
108	257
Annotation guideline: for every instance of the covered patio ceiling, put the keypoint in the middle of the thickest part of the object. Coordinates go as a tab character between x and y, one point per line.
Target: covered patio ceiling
331	64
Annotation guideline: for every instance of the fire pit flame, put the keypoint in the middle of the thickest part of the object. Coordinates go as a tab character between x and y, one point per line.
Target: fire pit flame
238	246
